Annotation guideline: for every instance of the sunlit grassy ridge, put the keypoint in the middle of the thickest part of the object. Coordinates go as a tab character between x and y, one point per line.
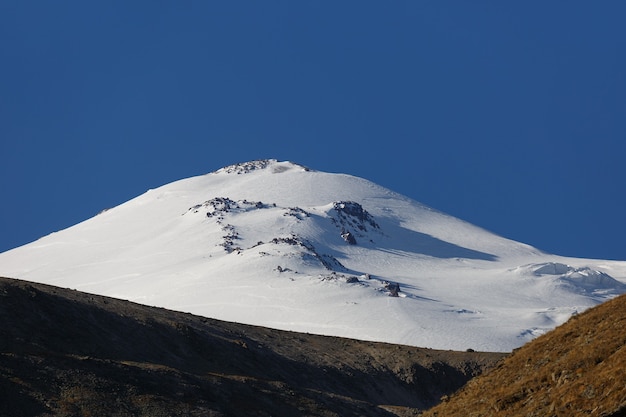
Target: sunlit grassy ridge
579	369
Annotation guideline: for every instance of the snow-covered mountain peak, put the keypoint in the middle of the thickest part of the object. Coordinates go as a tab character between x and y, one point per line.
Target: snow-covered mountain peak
273	165
318	252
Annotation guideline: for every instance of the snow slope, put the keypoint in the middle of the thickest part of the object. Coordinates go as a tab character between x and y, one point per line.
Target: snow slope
280	245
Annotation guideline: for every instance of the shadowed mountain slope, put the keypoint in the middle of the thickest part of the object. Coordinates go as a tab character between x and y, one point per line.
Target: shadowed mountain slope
68	353
578	369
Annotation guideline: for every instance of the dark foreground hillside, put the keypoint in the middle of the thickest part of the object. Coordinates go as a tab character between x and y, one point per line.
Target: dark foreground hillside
578	369
67	353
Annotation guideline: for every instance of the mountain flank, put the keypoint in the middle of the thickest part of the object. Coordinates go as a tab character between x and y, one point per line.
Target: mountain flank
578	369
69	353
272	243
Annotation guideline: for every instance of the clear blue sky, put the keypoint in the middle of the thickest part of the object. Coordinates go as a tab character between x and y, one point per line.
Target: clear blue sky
510	115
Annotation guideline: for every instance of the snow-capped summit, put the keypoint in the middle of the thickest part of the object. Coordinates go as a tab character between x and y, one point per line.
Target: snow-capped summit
280	245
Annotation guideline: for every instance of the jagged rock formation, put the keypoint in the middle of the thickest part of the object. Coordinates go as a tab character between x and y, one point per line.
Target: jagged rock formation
353	220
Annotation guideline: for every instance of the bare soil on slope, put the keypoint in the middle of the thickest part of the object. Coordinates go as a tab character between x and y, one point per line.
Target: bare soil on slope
68	353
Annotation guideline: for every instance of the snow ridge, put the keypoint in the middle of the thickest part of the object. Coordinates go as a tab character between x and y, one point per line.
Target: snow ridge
578	279
247	167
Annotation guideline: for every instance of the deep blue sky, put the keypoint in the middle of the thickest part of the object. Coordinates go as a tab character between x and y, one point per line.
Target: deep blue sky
509	116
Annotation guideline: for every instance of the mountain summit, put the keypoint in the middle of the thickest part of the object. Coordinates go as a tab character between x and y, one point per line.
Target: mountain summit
280	245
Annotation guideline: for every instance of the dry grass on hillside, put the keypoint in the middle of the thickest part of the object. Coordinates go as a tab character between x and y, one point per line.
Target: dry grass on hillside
579	369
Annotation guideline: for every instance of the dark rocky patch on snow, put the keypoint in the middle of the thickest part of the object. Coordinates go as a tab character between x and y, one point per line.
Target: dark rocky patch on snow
281	269
296	212
352	213
229	238
247	167
348	237
328	261
353	220
218	207
334	276
393	288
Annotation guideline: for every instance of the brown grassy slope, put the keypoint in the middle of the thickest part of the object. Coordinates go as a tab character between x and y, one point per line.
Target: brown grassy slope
67	353
578	369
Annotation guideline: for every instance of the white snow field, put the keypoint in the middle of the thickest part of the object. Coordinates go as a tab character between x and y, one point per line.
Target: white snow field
276	244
